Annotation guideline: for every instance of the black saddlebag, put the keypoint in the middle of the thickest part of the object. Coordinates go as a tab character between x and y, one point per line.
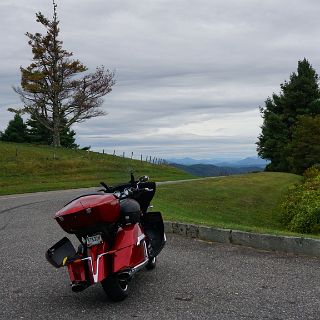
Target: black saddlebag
153	227
62	250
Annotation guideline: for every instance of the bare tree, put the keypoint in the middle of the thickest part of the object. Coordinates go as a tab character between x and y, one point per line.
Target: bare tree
52	90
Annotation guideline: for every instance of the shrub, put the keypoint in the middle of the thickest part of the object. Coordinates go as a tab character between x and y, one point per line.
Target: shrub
312	172
301	208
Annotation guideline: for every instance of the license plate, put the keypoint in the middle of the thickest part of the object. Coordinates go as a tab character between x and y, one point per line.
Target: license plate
93	240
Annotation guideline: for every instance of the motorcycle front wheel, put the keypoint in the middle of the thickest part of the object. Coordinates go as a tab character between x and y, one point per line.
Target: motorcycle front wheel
151	263
115	288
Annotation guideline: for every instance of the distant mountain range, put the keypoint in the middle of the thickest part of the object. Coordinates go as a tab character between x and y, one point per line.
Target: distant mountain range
221	167
210	170
227	162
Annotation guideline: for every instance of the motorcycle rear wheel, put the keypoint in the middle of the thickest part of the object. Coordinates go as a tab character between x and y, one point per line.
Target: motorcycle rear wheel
116	289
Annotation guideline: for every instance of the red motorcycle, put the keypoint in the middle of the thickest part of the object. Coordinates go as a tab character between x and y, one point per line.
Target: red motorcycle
118	237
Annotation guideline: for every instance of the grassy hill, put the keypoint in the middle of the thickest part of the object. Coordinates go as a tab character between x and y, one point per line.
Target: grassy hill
29	168
247	202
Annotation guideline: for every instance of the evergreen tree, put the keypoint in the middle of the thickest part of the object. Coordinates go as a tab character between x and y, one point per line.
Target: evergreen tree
38	133
306	143
299	96
51	86
16	130
68	138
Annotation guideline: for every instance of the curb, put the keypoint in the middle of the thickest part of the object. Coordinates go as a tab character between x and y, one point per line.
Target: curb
295	245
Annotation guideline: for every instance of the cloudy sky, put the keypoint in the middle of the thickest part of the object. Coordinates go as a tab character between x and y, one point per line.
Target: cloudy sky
190	74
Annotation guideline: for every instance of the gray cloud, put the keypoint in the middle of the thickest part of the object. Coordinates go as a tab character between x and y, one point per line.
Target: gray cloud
190	74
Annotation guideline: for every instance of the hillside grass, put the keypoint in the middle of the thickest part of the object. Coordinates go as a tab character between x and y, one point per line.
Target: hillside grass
30	168
247	202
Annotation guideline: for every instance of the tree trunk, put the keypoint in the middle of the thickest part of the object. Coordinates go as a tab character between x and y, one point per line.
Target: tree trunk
56	133
56	139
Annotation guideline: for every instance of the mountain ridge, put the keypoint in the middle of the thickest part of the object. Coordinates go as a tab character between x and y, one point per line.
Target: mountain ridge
209	170
222	162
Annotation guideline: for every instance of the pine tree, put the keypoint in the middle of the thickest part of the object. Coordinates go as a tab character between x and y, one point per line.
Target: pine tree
68	139
51	86
37	133
306	143
299	96
16	130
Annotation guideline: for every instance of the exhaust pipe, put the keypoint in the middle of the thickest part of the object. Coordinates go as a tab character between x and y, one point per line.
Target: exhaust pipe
79	286
129	273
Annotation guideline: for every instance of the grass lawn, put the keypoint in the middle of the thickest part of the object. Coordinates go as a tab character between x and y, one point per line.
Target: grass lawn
245	202
29	168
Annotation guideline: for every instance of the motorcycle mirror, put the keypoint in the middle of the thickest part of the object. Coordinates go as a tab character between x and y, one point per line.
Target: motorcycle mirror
144	179
117	194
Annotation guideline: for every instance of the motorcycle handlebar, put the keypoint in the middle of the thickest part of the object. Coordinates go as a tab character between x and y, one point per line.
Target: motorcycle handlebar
129	189
130	192
105	186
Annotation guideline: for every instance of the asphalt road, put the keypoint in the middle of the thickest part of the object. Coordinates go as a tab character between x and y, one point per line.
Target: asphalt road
193	279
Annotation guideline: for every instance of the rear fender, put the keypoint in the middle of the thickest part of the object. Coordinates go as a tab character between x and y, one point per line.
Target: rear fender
93	268
98	262
129	250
